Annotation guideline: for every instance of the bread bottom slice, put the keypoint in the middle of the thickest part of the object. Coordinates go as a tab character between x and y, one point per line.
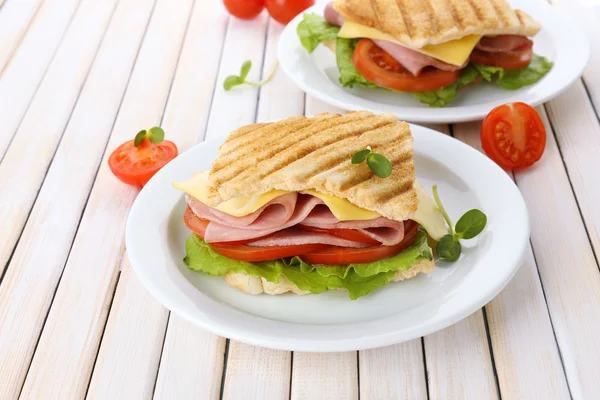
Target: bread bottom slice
257	285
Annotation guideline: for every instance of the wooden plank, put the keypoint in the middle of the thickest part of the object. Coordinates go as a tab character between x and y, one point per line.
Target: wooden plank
566	264
192	363
65	354
36	266
325	376
393	372
26	161
458	361
525	350
232	109
256	373
15	18
128	359
28	65
121	356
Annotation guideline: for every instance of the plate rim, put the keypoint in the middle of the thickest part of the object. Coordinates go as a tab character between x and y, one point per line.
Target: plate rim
442	114
299	344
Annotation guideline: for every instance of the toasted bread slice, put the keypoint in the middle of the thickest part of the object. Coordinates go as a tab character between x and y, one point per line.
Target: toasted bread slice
417	23
257	285
314	153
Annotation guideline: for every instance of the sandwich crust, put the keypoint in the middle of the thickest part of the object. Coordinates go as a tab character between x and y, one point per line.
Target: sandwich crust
302	153
417	23
257	285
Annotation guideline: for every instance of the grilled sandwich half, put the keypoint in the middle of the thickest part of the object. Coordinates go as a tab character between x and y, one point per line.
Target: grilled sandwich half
283	204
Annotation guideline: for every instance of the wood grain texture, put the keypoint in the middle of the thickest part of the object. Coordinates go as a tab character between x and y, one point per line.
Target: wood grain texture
459	363
525	350
36	266
192	363
15	18
122	357
566	264
325	376
21	78
257	373
64	358
393	372
25	163
129	356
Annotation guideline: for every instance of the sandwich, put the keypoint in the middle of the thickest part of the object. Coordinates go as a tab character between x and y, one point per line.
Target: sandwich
285	209
429	48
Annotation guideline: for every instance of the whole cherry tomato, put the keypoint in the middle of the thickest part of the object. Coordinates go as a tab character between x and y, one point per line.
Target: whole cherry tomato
285	10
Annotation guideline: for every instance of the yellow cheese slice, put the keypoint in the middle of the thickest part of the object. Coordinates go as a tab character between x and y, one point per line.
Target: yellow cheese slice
454	52
427	215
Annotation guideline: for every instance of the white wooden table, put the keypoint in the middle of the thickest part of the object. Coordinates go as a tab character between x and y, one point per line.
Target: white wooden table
78	77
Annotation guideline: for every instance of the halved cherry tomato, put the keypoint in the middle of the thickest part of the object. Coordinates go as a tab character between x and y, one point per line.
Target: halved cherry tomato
136	165
349	234
333	255
513	135
284	11
513	59
255	253
377	66
245	9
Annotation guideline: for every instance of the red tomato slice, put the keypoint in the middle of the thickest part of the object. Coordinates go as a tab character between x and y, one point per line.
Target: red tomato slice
332	255
513	135
377	66
255	254
284	11
136	165
513	59
348	234
245	9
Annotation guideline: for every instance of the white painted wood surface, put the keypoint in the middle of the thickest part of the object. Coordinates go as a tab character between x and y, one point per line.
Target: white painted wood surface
75	322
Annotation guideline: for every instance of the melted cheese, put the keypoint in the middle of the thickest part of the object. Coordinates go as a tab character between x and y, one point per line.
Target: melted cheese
454	52
427	215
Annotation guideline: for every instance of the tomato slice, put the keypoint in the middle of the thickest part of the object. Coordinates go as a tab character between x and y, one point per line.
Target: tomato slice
377	66
255	254
348	234
513	135
332	255
136	165
509	60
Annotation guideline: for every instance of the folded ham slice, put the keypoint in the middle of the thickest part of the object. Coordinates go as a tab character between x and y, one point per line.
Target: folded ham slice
412	60
279	217
502	43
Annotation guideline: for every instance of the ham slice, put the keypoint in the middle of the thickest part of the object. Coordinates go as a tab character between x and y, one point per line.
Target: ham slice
278	217
503	43
296	236
412	60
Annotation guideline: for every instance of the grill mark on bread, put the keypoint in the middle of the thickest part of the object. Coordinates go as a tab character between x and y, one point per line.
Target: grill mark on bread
434	18
406	23
244	130
476	10
396	191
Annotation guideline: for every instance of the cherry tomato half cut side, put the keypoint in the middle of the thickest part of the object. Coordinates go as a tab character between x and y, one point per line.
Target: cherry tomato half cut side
333	255
136	165
513	135
377	66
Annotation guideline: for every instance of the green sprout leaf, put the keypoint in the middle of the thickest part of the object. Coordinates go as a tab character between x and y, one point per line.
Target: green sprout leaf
139	138
470	224
233	80
381	166
360	156
156	134
449	248
245	69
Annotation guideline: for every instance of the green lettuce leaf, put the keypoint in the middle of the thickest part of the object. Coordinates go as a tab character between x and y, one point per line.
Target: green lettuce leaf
516	79
313	30
349	76
358	279
443	96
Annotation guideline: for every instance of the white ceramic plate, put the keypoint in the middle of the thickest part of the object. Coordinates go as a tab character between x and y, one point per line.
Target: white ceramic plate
560	40
156	235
